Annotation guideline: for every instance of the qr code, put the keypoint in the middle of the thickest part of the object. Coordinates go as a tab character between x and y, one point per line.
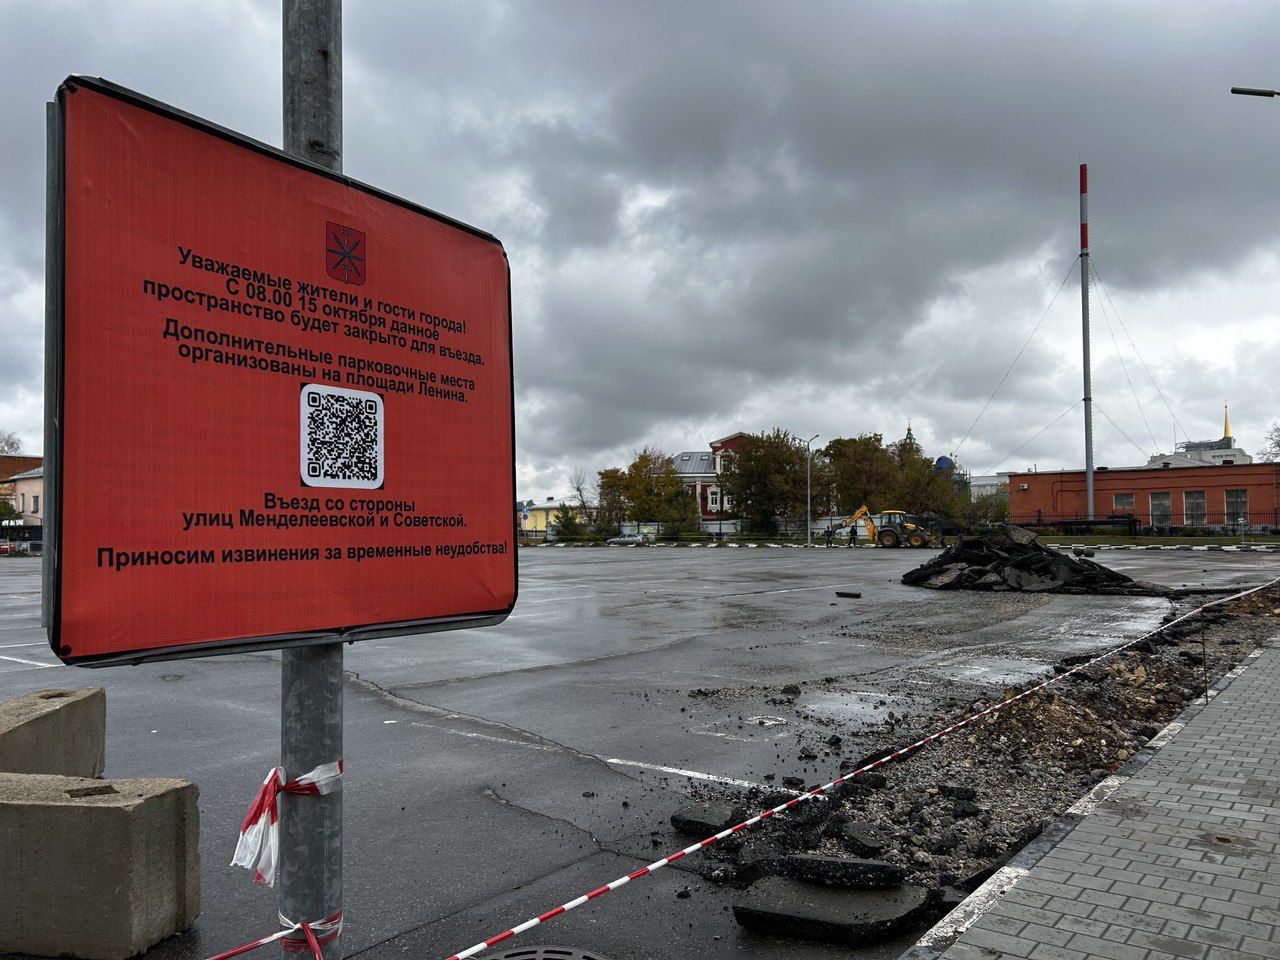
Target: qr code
342	437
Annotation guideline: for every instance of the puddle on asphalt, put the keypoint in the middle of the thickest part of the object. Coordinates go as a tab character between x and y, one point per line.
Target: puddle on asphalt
860	706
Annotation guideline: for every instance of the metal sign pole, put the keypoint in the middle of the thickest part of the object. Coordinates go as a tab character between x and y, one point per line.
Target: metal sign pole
311	677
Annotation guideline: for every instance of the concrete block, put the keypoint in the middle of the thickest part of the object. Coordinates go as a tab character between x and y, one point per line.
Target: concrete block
97	869
60	732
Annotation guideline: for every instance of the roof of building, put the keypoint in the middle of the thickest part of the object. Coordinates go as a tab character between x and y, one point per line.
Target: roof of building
11	463
1168	460
739	433
692	462
35	474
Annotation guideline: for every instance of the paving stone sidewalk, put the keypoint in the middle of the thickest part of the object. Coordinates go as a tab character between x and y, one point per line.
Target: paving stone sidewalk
1182	860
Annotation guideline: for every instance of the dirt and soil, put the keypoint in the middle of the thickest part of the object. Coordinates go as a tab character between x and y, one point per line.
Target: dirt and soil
947	815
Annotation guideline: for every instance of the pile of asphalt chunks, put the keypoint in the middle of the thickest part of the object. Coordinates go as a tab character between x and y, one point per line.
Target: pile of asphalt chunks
1012	558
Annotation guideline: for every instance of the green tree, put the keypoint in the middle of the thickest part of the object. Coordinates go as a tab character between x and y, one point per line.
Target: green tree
611	497
569	525
648	485
920	486
990	508
654	493
765	479
861	471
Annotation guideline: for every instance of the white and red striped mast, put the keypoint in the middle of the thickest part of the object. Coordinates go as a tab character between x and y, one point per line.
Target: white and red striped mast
1084	316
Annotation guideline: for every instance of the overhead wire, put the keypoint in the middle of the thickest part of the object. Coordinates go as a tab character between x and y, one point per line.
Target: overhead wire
1119	429
1155	444
1019	448
1025	344
1119	319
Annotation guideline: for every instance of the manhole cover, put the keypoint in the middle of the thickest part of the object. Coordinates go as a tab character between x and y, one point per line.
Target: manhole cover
549	953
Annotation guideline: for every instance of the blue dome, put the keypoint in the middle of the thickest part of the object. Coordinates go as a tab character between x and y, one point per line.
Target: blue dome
944	463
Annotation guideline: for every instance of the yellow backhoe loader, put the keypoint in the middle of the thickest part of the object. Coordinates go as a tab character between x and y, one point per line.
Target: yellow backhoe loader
893	528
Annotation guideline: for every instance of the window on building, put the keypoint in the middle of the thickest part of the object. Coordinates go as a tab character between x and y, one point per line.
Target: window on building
725	502
35	503
22	503
1122	502
713	498
1193	509
1237	504
1161	510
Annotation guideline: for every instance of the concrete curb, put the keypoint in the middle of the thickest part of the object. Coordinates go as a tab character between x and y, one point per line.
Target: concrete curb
938	938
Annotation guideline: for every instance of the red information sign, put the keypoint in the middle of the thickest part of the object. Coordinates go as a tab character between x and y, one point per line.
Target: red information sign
281	399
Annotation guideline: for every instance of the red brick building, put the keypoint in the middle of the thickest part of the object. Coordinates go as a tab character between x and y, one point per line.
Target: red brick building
700	472
1209	496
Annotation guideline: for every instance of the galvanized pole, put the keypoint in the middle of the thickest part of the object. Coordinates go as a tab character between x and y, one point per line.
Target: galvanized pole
808	497
808	491
310	872
1084	307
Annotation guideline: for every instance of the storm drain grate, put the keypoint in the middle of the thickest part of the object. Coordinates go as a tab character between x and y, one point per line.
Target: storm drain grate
549	953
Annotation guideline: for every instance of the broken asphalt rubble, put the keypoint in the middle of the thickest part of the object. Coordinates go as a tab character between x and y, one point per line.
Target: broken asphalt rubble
1012	558
884	854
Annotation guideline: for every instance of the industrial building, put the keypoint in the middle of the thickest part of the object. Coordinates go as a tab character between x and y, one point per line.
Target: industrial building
1206	483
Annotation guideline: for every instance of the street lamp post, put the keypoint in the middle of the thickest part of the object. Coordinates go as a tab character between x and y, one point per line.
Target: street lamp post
808	491
1251	92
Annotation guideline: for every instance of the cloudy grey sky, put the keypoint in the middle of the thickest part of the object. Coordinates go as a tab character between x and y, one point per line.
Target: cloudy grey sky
826	216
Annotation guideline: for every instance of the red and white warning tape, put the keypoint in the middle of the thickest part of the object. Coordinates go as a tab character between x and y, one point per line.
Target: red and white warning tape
314	936
809	795
258	849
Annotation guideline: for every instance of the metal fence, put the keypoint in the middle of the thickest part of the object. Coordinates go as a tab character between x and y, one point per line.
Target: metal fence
1207	523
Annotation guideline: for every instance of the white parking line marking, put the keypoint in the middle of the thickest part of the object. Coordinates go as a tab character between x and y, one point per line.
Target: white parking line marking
692	774
612	761
31	663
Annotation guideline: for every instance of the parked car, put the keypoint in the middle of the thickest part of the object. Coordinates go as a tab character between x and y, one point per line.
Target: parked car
628	540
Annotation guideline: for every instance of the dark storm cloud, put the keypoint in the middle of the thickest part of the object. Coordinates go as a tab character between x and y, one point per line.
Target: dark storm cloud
727	215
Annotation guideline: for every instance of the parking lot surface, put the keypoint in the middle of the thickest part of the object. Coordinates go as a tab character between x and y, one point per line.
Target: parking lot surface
494	773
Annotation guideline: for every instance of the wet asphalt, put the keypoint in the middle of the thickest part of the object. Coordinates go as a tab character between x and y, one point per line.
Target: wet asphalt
492	774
